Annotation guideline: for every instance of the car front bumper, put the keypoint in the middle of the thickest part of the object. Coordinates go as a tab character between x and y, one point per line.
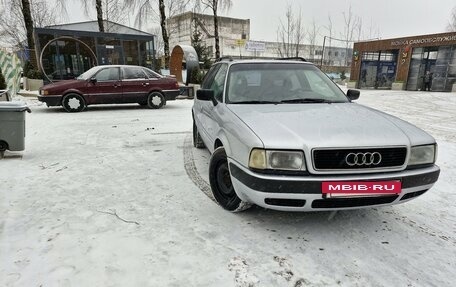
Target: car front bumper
304	193
51	101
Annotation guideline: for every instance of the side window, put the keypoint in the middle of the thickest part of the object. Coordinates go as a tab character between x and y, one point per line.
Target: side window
109	74
133	73
151	74
219	82
207	82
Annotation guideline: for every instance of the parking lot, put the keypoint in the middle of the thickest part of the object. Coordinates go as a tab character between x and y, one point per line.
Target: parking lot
118	196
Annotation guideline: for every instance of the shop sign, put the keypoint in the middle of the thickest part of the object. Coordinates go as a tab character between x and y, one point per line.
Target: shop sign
255	46
428	40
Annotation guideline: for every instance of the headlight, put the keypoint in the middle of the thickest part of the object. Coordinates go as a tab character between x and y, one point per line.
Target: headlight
44	92
425	154
275	159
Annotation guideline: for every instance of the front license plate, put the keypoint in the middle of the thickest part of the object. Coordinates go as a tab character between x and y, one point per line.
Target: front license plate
360	188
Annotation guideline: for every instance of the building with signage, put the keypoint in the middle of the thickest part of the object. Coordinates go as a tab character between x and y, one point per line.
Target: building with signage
402	63
66	51
235	41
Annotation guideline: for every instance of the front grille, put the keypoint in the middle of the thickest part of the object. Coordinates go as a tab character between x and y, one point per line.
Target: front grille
352	202
335	159
285	202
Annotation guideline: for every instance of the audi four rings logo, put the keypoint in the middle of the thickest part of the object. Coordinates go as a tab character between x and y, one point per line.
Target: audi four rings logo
366	159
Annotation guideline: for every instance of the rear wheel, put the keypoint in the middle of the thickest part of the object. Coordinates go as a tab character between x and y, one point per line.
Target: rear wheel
3	146
73	103
155	100
221	185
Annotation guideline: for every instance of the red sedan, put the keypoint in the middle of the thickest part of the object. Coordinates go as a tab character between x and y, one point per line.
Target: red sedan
113	84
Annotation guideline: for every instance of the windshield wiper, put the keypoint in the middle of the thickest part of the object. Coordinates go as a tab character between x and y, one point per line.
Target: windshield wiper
307	100
255	102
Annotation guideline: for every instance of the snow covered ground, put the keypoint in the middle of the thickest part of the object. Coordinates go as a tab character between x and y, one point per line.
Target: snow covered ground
117	196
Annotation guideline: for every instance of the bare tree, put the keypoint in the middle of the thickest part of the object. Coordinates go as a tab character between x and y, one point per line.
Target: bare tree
215	5
350	24
359	28
299	34
452	24
147	13
329	27
291	34
285	33
114	11
13	28
312	35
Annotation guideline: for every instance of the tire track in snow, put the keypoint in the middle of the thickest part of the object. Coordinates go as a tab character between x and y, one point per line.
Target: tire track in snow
192	172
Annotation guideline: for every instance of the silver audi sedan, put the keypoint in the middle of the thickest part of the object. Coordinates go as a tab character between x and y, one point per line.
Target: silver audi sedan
283	136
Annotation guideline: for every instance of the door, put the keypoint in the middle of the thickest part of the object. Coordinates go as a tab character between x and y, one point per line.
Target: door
110	55
423	60
136	85
211	121
201	107
105	87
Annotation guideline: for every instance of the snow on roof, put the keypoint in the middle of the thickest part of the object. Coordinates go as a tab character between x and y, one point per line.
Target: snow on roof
92	26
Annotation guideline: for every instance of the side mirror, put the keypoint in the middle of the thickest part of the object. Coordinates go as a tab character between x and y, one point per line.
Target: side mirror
93	80
353	95
206	95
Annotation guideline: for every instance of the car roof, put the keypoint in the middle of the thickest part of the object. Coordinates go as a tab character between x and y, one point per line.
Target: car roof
119	66
265	61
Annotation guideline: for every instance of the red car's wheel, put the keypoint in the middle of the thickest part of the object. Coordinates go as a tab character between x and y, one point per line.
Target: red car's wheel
73	103
155	100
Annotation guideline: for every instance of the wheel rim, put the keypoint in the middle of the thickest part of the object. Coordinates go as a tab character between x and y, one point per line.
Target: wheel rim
74	103
156	100
224	181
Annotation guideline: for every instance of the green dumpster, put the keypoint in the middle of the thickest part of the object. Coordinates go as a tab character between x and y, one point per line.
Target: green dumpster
12	125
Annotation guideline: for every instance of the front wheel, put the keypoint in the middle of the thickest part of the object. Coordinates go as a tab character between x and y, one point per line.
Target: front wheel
73	103
155	100
197	140
221	185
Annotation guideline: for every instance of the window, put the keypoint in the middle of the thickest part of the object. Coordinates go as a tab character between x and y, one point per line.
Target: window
209	76
151	74
219	82
109	74
371	56
279	82
133	73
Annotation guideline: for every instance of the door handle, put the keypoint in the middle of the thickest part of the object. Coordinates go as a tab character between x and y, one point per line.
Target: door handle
145	84
116	85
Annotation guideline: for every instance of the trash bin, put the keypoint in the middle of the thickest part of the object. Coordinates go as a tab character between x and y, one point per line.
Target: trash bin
12	125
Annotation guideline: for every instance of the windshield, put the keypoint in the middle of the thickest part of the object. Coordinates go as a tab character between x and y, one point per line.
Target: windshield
88	74
256	83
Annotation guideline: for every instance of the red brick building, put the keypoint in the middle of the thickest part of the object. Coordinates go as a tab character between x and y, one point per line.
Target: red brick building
401	63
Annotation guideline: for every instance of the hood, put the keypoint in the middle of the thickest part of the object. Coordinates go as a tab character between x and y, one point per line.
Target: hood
64	84
298	126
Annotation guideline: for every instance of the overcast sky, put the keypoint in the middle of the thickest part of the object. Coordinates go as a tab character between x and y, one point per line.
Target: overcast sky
392	18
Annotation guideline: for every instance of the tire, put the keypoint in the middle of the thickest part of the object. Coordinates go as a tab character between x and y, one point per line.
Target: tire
73	103
3	146
197	140
155	100
221	185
